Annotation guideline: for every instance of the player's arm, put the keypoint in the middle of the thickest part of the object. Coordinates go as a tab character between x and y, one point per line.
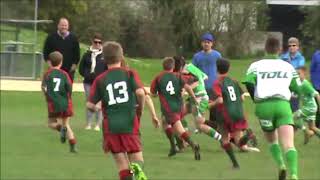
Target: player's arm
151	109
218	93
251	80
190	92
94	96
295	84
44	85
154	88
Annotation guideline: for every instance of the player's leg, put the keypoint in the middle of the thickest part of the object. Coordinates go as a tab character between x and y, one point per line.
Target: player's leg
227	147
313	128
53	124
241	139
286	136
137	165
122	163
167	128
177	126
70	135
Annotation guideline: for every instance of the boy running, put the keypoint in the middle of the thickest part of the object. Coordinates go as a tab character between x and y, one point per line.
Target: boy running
57	87
269	82
168	85
231	120
121	93
307	113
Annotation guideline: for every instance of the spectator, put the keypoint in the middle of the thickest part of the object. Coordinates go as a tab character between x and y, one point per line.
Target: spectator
206	60
67	44
296	59
293	56
92	65
315	78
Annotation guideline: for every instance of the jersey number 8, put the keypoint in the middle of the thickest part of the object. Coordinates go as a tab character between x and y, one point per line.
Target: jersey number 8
232	94
122	90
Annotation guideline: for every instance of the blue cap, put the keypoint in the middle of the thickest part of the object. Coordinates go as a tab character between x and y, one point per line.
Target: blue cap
207	36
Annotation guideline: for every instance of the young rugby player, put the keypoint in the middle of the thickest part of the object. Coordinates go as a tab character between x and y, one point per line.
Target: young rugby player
57	87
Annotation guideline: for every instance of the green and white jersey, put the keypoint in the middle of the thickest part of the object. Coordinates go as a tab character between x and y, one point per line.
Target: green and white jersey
200	89
306	95
273	78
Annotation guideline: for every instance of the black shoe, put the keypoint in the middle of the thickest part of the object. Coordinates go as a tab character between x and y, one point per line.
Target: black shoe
73	148
236	166
197	152
282	174
63	134
172	152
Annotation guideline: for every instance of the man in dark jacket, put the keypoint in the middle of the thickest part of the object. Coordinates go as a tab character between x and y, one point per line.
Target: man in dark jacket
91	66
67	44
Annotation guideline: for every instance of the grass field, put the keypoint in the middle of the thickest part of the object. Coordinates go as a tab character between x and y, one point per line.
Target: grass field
30	150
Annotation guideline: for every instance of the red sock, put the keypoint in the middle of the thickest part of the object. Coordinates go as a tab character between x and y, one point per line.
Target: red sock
58	127
124	174
185	136
72	141
169	131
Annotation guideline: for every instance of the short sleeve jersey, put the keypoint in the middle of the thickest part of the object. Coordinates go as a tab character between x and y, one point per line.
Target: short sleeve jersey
115	88
231	92
306	95
168	85
273	78
58	87
200	88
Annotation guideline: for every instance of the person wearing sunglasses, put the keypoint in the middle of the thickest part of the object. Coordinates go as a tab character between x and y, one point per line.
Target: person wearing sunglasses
91	66
296	59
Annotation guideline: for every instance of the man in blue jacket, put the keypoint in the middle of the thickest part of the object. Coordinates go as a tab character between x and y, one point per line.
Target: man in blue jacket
296	59
315	78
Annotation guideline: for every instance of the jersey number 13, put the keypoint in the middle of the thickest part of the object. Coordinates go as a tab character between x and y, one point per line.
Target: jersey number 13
121	87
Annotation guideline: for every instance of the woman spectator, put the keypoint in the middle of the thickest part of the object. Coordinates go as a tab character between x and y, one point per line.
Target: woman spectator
91	66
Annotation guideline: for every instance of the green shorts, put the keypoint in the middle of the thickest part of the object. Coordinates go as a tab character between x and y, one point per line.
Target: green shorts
274	113
202	107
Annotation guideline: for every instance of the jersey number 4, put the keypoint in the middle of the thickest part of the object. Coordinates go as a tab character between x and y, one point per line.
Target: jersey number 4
170	88
232	93
122	89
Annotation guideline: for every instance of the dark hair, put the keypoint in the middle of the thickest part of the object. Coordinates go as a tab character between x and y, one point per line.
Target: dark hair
55	58
168	63
97	36
112	52
179	63
272	45
223	66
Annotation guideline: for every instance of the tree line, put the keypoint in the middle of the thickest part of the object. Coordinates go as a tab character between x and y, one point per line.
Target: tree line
157	28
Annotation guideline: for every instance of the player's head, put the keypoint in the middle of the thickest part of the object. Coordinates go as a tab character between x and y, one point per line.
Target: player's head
63	25
293	45
96	41
168	64
302	72
179	63
272	45
223	66
56	59
112	52
207	40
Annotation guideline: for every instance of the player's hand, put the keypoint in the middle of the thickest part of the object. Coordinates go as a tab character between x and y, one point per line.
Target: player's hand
73	68
155	121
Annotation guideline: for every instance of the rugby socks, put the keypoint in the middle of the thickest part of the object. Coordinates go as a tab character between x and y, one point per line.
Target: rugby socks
125	174
170	136
228	148
214	134
277	155
292	160
72	143
185	136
